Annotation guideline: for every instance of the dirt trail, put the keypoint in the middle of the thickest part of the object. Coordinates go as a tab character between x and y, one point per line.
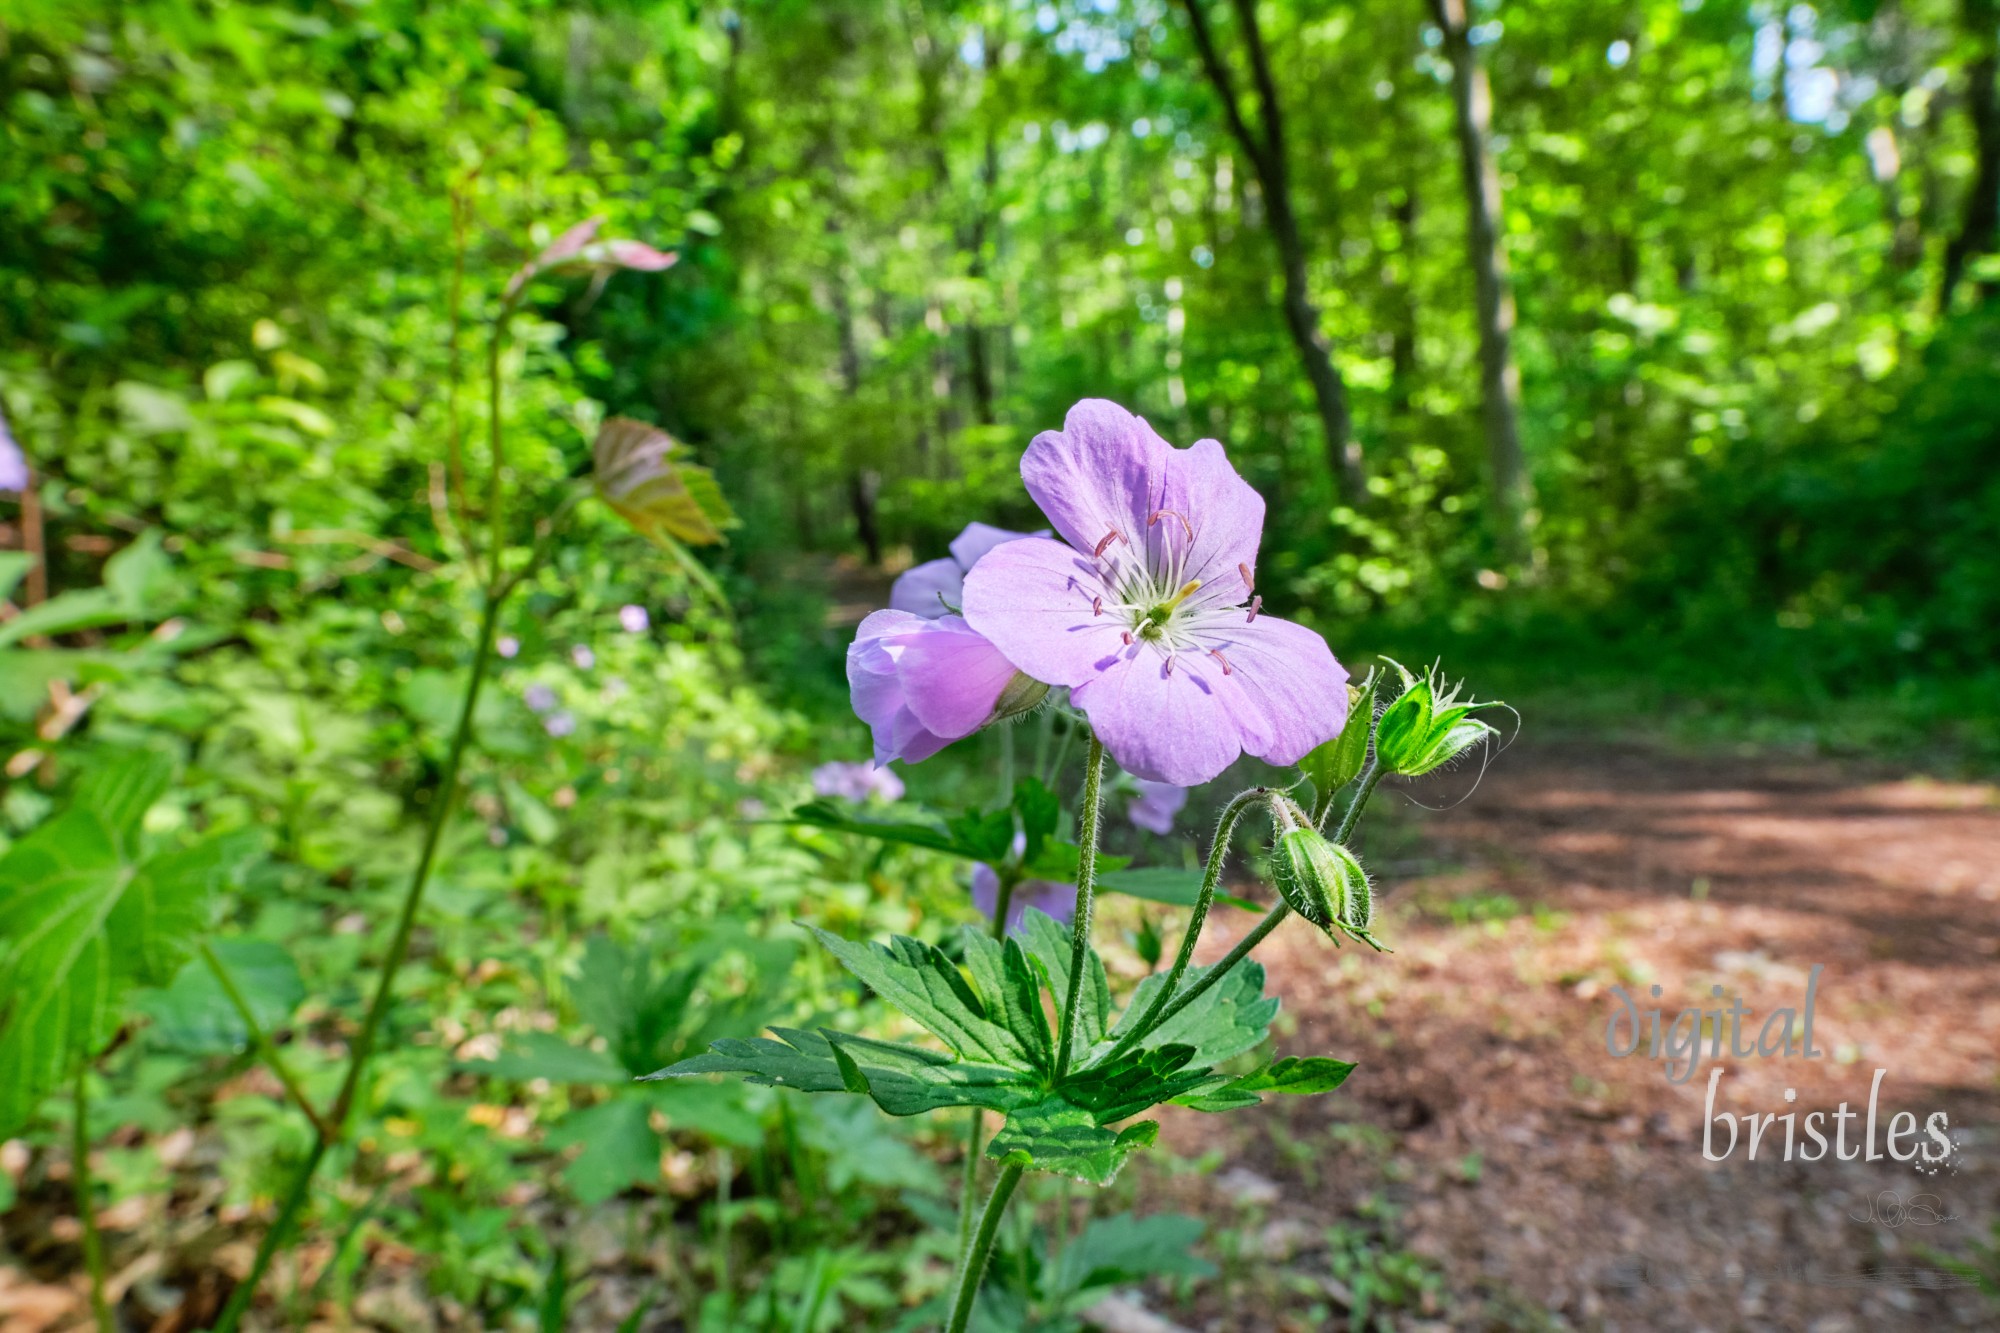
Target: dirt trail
1538	1170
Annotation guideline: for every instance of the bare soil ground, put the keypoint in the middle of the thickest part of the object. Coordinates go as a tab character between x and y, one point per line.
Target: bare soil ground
1557	1186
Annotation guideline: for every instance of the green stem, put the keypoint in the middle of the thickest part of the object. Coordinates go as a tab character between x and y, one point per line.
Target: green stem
968	1186
974	1267
86	1206
260	1041
1086	888
1010	878
495	342
1211	876
1369	778
364	1046
1271	919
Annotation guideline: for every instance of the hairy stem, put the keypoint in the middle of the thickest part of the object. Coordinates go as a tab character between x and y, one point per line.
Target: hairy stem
260	1041
974	1267
1271	919
1086	888
86	1206
1211	876
975	1123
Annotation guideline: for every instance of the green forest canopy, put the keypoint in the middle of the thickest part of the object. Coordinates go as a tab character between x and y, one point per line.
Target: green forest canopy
1750	248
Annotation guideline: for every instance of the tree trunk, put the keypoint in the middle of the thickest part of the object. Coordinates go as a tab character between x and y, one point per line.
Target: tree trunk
1267	157
1979	233
1499	378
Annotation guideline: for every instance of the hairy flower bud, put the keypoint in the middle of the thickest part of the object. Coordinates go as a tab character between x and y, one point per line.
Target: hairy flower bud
1426	727
1022	694
1320	879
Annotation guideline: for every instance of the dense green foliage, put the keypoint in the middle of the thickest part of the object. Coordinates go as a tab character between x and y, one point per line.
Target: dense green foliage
249	258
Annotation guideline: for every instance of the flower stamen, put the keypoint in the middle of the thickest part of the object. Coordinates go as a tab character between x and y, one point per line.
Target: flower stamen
1104	542
1216	653
1097	606
1158	514
1249	583
1256	605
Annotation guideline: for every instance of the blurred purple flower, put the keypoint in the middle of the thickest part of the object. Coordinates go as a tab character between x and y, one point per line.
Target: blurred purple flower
856	782
507	646
614	689
922	684
583	657
1148	612
937	587
1156	805
634	619
13	463
560	724
1058	900
539	697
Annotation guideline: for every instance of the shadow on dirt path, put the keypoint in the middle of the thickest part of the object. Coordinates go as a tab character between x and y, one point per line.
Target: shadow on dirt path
1541	1173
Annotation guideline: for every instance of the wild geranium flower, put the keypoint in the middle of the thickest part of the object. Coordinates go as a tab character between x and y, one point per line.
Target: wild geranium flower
560	724
583	657
1058	900
858	783
937	587
539	697
1156	805
507	646
920	677
922	684
634	618
1149	613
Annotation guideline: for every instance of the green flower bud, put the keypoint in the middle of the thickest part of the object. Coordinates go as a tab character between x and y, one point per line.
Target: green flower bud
1340	760
1426	727
1022	694
1320	879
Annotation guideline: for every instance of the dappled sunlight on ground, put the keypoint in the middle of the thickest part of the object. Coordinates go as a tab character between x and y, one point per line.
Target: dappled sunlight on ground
1539	1170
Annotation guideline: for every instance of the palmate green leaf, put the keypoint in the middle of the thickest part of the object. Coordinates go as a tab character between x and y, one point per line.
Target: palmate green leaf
1122	1249
1060	861
531	1055
797	1059
1139	1081
1059	1137
825	814
918	979
82	919
908	1080
983	836
1002	972
1049	943
1040	810
1165	884
902	1080
196	1016
620	1149
1298	1076
1231	1017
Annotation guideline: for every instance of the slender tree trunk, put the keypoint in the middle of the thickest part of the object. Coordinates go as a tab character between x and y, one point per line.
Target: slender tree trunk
1499	377
1979	233
978	365
1266	152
